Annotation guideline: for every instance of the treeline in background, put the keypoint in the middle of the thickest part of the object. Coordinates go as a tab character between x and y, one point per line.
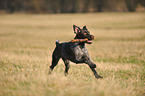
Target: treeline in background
70	6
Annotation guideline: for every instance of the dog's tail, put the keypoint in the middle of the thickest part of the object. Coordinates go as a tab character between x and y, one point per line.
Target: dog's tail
57	42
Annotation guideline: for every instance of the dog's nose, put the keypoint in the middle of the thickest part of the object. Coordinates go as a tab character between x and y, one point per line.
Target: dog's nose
92	37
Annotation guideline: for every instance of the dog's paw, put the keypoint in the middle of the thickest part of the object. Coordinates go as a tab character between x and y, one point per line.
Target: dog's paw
99	77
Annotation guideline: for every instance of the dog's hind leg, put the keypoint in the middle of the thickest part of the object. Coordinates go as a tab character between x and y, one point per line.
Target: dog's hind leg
67	66
55	59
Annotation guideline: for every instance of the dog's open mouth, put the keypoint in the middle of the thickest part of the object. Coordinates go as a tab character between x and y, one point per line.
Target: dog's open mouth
89	41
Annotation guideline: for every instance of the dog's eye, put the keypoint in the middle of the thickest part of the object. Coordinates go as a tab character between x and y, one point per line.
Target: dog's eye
88	32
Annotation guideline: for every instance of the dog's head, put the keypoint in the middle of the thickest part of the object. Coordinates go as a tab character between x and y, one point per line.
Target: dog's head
83	33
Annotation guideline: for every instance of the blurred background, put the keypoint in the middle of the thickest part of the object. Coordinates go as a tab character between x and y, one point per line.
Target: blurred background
70	6
29	29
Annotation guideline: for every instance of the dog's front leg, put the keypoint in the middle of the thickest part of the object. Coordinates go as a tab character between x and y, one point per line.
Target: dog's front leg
92	67
95	73
90	63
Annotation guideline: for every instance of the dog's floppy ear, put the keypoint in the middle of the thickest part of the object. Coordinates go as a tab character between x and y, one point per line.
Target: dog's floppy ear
85	28
76	29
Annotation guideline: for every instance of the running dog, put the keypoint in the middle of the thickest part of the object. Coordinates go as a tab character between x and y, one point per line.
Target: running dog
74	51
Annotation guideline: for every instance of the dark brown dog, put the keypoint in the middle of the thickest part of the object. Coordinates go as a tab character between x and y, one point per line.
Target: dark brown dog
74	51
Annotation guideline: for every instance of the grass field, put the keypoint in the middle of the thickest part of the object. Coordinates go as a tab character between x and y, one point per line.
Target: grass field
27	43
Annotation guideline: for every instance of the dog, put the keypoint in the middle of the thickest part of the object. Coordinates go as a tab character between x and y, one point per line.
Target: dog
74	51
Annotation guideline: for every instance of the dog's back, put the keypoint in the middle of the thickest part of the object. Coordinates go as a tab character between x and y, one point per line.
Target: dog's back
73	51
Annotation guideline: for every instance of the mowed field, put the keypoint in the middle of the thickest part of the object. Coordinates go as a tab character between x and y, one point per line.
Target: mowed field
27	43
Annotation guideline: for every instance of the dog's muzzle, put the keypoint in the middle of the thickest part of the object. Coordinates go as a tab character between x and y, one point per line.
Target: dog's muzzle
91	37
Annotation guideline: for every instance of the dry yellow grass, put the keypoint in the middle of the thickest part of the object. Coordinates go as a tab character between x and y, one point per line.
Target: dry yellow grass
27	42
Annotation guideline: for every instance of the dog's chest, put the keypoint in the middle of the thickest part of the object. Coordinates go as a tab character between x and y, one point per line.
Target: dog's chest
79	51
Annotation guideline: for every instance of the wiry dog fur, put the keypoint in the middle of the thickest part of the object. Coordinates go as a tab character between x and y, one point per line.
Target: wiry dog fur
74	51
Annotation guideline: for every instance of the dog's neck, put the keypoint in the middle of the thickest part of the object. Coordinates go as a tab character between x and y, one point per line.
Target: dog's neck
82	44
